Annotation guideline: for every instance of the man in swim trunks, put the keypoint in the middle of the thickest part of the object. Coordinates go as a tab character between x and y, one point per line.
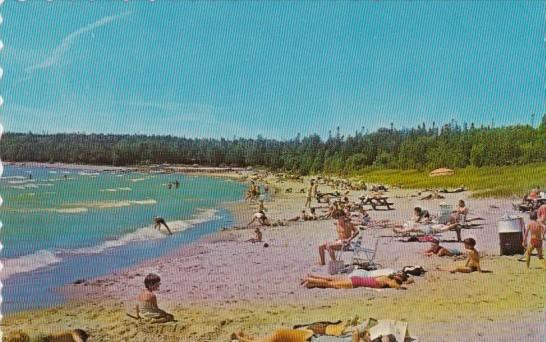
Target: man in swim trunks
158	221
346	233
537	235
440	251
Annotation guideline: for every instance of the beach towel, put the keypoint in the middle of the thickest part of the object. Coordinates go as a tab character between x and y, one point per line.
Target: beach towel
385	327
376	273
317	327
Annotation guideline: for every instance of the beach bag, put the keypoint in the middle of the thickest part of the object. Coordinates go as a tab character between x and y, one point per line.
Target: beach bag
414	270
335	266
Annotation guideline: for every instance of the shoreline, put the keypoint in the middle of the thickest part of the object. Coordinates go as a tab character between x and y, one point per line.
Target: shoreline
219	284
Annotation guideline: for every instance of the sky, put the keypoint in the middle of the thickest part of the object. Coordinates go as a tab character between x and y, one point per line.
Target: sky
276	69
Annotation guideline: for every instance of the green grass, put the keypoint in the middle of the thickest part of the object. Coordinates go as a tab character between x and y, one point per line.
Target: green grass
497	182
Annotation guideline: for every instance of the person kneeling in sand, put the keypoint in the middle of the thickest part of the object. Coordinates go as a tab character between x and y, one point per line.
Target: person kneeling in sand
258	237
440	251
146	307
472	262
76	335
394	281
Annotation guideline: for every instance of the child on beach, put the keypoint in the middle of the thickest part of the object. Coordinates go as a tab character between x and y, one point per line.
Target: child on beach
472	262
440	251
258	237
537	235
146	307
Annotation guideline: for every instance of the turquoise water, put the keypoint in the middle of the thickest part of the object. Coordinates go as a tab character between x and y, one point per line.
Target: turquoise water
58	220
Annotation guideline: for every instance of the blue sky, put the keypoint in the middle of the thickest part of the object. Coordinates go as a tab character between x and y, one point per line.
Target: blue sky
225	69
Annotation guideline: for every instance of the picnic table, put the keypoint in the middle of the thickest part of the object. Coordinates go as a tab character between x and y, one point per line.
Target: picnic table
376	201
530	204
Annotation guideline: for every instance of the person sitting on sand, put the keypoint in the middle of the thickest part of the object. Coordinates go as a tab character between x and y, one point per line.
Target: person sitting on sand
76	335
420	215
440	251
394	281
346	233
262	219
258	237
537	235
158	221
472	262
146	307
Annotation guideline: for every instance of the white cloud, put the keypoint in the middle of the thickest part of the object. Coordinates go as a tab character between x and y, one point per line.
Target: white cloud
69	40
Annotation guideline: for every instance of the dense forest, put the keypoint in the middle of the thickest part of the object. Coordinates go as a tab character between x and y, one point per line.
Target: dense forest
419	148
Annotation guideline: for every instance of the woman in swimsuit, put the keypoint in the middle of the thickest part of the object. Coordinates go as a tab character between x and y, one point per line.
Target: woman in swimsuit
394	281
537	235
472	262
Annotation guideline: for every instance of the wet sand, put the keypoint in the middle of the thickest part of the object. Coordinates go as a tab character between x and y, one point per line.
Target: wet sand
221	284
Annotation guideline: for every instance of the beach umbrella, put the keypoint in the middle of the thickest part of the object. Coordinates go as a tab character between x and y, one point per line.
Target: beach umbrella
441	172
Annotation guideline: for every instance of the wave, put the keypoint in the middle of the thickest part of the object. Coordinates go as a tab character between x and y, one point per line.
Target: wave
28	263
45	258
116	189
92	174
70	210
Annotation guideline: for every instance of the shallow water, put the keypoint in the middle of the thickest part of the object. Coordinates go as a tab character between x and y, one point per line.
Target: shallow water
89	224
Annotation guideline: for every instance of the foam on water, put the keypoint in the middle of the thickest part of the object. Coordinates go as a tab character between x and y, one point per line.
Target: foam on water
28	263
45	258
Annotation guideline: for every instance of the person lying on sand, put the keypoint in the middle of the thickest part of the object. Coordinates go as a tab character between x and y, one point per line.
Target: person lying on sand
304	216
434	195
76	335
346	233
440	251
146	307
258	237
426	229
537	235
158	221
262	219
281	335
394	281
472	262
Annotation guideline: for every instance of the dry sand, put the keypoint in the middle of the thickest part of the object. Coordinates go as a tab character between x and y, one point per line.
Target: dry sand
221	284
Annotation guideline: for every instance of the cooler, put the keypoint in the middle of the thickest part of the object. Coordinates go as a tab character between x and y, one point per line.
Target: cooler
511	235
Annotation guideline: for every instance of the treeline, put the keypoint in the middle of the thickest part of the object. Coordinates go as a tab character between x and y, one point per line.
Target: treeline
419	148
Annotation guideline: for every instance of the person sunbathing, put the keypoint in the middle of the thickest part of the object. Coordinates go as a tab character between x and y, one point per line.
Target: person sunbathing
426	229
76	335
146	307
258	237
346	233
394	281
436	249
262	219
434	195
472	262
281	335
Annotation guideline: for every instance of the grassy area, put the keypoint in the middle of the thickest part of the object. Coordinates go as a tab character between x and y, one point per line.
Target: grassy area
484	182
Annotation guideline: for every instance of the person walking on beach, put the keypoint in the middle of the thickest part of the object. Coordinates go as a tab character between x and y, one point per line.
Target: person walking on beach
537	235
309	195
158	221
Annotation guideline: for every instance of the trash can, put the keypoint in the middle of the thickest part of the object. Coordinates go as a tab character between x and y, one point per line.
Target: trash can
511	235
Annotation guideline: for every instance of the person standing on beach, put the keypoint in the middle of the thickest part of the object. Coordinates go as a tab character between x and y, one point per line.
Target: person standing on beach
537	235
158	221
309	195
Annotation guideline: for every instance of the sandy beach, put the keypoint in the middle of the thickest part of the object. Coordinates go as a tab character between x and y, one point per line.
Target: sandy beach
222	284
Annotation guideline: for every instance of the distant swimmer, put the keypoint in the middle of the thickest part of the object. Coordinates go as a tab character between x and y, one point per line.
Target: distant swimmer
170	186
158	221
65	177
176	183
30	176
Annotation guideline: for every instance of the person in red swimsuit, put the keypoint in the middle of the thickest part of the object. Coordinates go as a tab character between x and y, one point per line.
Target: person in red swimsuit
537	235
394	281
